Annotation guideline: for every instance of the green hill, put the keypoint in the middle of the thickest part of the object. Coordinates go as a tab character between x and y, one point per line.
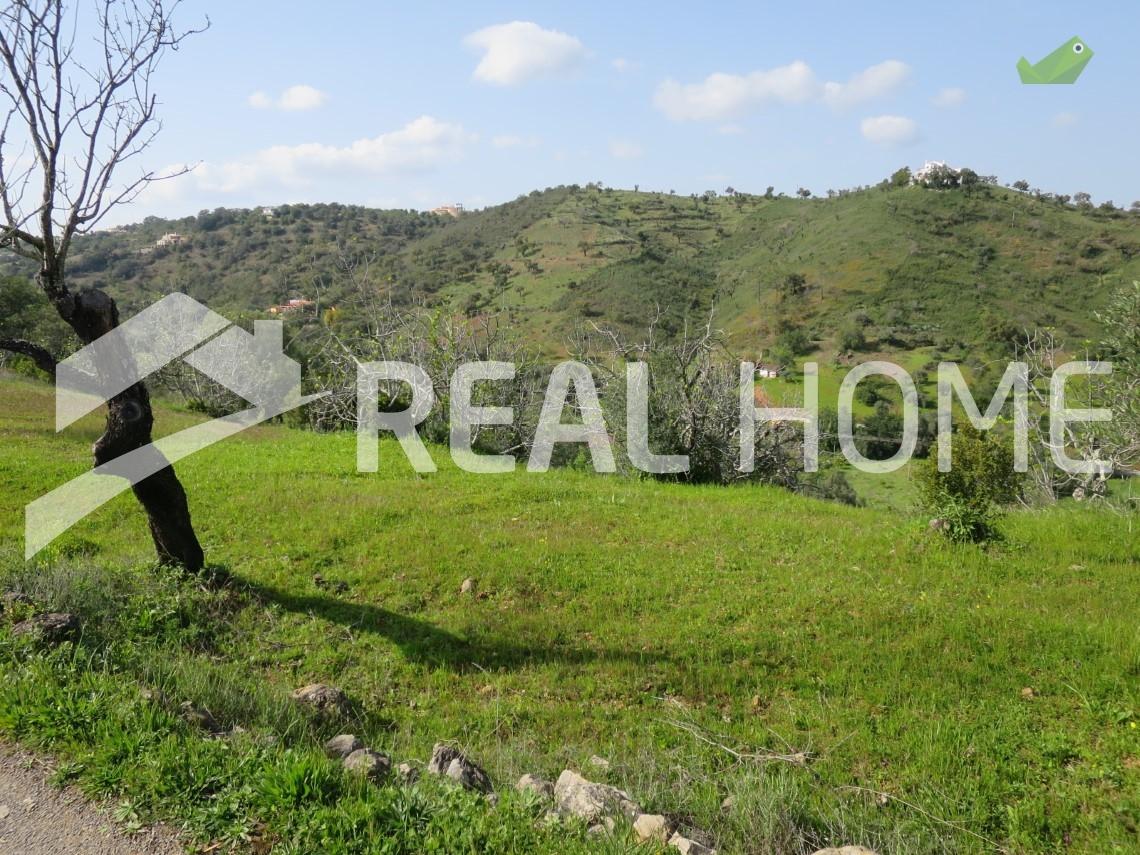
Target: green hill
909	266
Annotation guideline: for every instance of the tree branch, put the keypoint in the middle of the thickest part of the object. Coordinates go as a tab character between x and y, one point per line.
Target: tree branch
41	356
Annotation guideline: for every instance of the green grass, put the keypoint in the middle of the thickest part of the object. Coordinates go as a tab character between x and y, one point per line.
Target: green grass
616	609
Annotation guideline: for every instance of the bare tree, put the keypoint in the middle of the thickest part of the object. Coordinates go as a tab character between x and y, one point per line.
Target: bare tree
1042	353
694	400
79	109
372	327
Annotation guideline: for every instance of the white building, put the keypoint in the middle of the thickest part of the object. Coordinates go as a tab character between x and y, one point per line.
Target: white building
931	168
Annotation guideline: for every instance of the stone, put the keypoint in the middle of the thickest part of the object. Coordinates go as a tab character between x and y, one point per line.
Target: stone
937	524
342	745
689	847
450	762
605	825
406	773
371	764
52	627
534	784
846	850
327	700
575	796
198	717
11	599
468	586
728	804
652	827
600	763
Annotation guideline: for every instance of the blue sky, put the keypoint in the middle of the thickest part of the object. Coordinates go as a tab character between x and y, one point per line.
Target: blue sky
420	104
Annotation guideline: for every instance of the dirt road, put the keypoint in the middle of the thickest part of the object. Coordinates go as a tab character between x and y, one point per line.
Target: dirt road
38	819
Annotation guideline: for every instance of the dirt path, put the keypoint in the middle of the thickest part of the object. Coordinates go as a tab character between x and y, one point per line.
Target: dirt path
38	819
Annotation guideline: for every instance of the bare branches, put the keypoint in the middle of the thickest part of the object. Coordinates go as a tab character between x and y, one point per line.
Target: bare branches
694	396
794	758
77	113
1043	353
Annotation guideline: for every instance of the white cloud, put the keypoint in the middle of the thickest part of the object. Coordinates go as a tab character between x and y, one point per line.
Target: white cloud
725	96
421	145
874	82
952	96
513	141
889	130
1065	120
522	50
623	65
293	99
625	149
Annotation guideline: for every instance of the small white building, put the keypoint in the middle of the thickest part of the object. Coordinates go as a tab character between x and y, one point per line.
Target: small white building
170	239
931	168
768	372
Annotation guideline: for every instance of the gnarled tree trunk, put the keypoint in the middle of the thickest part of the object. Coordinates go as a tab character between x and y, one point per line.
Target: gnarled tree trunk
130	421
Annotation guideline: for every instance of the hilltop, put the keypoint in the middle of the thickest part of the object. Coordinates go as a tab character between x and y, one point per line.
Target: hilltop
905	266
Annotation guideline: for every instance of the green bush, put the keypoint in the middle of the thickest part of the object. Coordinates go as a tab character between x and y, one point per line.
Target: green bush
968	500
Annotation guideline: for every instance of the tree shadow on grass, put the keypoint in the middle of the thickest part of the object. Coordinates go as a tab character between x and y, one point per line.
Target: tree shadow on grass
425	643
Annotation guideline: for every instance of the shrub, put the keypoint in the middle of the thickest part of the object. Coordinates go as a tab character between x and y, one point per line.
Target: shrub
968	500
852	338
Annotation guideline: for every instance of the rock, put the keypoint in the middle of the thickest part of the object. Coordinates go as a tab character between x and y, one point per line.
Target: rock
341	746
652	827
534	784
728	804
937	524
846	850
689	847
468	586
371	764
52	627
450	762
198	717
605	825
327	700
406	773
11	599
575	796
600	763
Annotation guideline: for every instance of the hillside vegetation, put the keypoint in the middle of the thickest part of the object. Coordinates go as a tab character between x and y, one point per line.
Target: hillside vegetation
907	267
946	698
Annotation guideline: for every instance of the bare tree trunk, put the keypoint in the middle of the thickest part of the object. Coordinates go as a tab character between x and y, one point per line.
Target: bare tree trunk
130	421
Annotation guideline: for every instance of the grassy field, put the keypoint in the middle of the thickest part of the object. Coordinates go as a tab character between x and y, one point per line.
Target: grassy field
950	698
